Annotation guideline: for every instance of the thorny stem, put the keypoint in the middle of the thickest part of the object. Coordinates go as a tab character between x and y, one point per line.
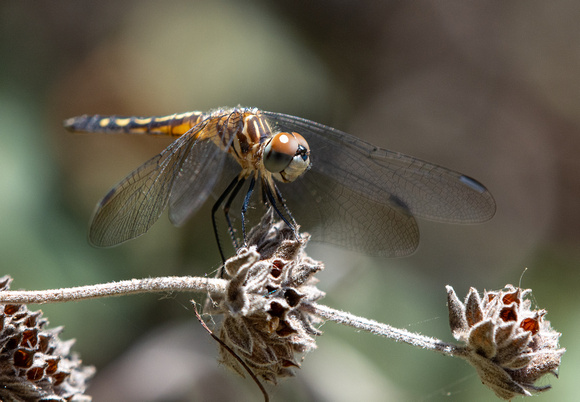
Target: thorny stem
387	331
122	288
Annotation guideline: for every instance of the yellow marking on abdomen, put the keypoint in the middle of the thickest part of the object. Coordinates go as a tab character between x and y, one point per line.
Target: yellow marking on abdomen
138	129
104	122
164	118
182	115
174	124
181	129
122	122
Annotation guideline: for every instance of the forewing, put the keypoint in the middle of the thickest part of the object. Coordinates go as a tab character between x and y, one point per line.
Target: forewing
390	178
199	172
133	205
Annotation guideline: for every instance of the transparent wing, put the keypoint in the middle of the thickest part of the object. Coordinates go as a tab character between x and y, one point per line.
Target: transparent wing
132	206
333	213
197	177
389	178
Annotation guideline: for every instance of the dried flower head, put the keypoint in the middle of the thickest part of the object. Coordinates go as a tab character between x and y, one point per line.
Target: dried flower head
34	363
268	280
510	345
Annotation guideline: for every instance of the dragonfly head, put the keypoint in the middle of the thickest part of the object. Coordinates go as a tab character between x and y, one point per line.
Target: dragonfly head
286	156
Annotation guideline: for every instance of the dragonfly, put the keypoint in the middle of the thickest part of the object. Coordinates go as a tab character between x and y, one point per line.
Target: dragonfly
341	189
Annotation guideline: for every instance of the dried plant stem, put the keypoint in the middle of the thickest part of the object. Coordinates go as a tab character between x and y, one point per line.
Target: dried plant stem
213	285
122	288
387	331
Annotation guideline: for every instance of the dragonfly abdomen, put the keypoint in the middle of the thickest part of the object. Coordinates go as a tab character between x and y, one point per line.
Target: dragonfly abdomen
174	125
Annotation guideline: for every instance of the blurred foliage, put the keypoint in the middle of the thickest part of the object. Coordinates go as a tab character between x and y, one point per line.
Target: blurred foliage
490	89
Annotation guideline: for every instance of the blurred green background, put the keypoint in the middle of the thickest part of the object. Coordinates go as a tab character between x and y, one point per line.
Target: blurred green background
491	89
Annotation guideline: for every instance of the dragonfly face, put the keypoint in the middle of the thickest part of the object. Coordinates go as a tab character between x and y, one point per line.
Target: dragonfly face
341	189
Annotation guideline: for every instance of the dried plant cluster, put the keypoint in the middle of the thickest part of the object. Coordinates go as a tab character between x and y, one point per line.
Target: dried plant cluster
267	297
268	280
34	363
510	345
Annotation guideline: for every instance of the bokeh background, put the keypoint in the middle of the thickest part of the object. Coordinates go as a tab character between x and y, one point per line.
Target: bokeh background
491	89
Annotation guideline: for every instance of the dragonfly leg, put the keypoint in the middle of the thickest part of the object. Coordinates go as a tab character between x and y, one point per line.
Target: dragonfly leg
267	188
230	188
282	201
227	205
245	206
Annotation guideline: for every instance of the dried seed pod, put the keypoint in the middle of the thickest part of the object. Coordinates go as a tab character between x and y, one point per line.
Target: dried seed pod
510	345
34	363
262	323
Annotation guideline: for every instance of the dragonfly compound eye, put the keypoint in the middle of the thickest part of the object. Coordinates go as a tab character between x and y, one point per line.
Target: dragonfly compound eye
279	152
303	148
287	156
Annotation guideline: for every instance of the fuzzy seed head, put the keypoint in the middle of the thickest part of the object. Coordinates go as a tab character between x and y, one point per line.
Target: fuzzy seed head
268	280
34	363
510	345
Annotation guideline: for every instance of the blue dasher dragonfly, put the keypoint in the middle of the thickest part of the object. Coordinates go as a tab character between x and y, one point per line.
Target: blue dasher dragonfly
341	189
